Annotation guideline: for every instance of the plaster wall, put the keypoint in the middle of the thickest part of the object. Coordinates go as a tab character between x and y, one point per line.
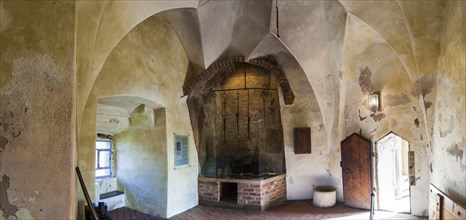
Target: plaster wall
449	123
320	26
100	27
141	161
432	109
400	112
107	185
305	171
37	99
185	23
304	112
149	63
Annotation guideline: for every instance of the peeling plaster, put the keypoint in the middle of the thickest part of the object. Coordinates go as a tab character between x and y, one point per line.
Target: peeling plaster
396	100
7	209
3	142
114	120
427	105
423	86
360	117
5	18
365	81
24	213
378	117
449	127
455	152
37	110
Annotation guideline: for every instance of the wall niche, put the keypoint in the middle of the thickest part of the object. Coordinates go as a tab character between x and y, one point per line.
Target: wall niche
238	121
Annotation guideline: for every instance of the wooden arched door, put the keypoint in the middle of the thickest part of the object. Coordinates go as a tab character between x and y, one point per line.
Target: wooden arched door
357	172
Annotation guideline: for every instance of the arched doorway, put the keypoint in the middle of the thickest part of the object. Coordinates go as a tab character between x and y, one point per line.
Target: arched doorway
393	188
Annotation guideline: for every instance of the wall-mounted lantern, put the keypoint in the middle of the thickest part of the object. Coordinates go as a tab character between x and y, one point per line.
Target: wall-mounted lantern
373	102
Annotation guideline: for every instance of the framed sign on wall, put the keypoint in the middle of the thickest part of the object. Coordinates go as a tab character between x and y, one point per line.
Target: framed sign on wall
181	150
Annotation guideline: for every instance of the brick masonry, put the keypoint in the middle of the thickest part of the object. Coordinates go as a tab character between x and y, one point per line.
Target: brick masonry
256	193
209	190
226	67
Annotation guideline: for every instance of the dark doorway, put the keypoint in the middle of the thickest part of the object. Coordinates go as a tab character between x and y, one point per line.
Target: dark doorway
229	192
356	167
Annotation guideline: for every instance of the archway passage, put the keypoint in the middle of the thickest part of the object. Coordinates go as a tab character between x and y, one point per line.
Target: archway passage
393	174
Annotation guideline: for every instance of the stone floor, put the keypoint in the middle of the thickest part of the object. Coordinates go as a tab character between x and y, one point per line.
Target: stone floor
302	209
125	213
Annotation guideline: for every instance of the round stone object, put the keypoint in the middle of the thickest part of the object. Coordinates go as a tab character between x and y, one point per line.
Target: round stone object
324	196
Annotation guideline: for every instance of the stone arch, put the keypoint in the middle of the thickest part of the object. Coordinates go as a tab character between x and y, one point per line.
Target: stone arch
101	27
223	69
137	67
385	133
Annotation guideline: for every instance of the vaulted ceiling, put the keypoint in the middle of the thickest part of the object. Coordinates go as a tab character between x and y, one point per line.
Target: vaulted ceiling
322	39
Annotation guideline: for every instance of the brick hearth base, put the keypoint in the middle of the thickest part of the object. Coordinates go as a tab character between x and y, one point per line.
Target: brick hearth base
250	194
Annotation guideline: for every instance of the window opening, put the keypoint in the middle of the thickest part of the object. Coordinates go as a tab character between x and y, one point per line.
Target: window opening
103	159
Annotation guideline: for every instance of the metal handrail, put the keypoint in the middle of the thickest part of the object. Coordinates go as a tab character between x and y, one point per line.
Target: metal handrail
371	215
86	194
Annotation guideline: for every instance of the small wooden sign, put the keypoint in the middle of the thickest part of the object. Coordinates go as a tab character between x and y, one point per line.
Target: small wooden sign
302	140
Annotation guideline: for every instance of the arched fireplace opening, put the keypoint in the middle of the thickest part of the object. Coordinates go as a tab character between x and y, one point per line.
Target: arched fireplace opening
235	113
245	131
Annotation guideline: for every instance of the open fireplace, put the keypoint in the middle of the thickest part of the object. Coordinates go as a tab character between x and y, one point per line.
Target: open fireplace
240	136
242	193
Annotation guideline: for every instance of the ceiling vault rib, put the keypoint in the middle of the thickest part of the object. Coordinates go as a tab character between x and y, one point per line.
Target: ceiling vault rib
99	24
405	66
410	34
